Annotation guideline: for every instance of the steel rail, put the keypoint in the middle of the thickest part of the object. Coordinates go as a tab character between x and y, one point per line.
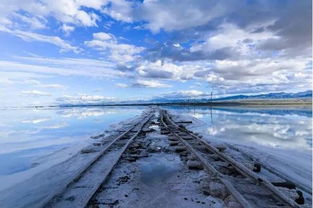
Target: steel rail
125	147
233	191
241	168
50	200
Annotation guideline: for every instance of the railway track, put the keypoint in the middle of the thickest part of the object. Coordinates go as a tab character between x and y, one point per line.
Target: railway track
247	187
83	186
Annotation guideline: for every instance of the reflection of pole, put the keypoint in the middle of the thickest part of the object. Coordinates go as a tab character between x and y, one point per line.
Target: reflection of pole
194	106
211	115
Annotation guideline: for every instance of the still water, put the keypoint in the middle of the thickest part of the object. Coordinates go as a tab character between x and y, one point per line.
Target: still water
279	127
27	135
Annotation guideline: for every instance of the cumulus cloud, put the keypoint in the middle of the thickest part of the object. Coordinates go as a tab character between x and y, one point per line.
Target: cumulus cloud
230	36
65	11
184	94
120	10
120	52
165	70
149	84
67	29
173	15
234	46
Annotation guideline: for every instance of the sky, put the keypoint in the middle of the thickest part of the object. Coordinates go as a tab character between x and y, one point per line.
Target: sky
86	51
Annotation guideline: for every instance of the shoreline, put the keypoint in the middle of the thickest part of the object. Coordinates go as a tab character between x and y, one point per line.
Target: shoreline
230	103
214	103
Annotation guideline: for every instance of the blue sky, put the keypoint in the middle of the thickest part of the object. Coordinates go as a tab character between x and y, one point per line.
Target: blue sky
101	50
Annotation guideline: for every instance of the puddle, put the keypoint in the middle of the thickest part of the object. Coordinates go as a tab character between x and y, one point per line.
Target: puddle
158	168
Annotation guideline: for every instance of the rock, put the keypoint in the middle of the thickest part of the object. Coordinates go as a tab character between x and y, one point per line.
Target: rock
131	159
122	179
180	148
220	147
97	137
174	143
139	155
300	198
193	164
172	139
206	191
97	144
257	167
88	150
229	170
183	154
35	164
165	132
285	184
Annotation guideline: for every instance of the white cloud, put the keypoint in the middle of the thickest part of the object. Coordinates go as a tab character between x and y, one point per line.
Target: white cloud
39	84
244	42
84	99
173	15
184	94
103	36
31	36
166	70
30	21
149	84
35	93
192	93
122	85
35	121
55	86
119	52
67	29
120	10
65	11
31	67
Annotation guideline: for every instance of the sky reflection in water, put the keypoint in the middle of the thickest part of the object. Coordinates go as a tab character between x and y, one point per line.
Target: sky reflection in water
28	134
287	128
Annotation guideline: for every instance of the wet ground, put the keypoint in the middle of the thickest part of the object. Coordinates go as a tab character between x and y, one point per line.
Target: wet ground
156	178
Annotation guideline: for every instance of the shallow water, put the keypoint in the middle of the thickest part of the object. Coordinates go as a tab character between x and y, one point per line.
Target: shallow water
28	134
156	169
278	127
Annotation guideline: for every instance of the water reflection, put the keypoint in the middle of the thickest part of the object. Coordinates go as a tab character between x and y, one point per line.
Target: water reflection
29	134
276	127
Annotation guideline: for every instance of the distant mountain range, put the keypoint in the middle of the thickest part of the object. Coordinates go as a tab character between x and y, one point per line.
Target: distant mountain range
278	95
268	96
